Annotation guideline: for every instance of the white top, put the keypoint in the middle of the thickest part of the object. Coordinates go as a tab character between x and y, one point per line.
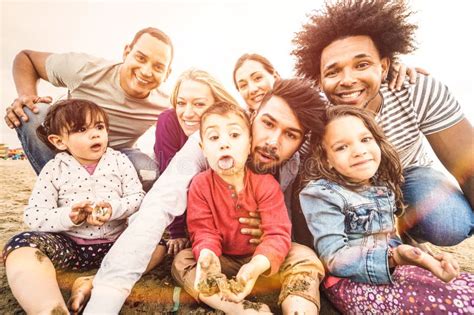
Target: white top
64	182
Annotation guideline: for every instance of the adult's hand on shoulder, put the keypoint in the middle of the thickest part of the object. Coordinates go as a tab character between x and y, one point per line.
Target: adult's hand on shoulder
401	71
253	221
15	113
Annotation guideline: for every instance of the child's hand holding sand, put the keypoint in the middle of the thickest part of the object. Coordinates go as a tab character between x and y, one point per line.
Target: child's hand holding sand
99	213
207	264
247	276
80	211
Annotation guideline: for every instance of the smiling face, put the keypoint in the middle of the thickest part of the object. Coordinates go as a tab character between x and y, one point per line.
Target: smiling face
145	66
277	135
192	101
351	149
226	143
352	72
87	144
253	81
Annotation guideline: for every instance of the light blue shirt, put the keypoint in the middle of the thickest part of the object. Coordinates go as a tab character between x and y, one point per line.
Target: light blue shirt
351	229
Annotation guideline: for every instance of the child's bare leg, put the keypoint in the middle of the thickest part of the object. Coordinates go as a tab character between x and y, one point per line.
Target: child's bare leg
297	305
32	279
442	266
216	302
82	286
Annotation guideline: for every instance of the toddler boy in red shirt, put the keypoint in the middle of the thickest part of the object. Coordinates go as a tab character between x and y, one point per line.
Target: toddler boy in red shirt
217	198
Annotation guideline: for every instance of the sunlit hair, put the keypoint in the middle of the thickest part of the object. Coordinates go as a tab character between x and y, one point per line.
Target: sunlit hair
267	65
385	22
157	34
390	169
69	116
218	91
302	98
224	109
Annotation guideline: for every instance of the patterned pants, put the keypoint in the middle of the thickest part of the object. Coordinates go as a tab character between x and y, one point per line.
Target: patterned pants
63	252
414	291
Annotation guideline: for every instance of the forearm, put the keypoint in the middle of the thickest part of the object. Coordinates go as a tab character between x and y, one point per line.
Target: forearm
359	263
48	219
24	75
126	261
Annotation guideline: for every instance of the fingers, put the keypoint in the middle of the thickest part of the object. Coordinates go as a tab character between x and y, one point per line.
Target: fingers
252	232
421	71
254	222
255	241
401	75
15	113
449	259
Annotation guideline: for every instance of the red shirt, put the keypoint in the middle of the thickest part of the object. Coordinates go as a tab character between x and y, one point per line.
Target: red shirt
214	209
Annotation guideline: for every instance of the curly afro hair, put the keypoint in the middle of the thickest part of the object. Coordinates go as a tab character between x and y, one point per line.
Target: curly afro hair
385	22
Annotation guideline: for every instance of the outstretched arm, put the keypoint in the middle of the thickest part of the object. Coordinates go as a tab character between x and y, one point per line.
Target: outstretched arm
28	68
129	257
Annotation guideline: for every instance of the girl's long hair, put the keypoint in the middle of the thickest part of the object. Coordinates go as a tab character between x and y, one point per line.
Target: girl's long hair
390	170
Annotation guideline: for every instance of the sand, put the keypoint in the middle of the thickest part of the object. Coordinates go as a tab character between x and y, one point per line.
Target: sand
16	181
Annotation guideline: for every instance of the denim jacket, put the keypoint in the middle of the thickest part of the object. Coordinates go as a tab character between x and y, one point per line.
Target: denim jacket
351	229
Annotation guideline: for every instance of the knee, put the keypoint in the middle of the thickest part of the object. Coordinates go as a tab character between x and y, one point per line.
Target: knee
303	259
147	169
181	264
34	119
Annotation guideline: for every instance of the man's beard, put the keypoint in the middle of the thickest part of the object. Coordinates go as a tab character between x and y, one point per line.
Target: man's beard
264	168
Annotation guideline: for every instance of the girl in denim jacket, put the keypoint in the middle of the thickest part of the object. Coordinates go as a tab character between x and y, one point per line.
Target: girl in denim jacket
350	205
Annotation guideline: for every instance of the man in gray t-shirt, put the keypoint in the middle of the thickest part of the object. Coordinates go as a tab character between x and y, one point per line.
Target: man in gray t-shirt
127	91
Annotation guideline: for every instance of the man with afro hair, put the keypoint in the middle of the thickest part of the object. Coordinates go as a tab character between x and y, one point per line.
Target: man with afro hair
347	48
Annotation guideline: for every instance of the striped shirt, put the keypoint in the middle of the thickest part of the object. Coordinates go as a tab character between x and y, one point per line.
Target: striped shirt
421	109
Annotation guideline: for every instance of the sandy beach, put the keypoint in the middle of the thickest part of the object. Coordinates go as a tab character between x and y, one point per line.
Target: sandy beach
16	181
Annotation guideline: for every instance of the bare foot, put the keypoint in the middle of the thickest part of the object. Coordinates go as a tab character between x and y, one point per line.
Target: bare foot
443	266
80	294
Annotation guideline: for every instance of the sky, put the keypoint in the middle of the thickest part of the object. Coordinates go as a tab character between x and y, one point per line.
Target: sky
211	35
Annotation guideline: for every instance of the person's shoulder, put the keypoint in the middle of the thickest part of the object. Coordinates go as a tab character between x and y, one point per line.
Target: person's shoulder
202	178
168	116
320	186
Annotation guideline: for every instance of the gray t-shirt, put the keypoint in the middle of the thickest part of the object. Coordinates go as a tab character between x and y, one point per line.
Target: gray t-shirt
98	80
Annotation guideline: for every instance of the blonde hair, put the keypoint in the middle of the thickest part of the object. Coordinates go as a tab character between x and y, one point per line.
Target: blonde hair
218	91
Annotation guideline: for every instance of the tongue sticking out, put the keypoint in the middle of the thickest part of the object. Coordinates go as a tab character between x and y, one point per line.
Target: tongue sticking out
225	163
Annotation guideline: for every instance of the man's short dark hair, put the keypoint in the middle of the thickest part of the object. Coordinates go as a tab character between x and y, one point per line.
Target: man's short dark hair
302	98
157	34
385	22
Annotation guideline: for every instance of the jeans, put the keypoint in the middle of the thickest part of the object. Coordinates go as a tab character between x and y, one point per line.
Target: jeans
437	210
39	153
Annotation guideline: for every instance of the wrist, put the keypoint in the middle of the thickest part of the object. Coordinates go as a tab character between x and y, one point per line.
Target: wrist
392	263
261	263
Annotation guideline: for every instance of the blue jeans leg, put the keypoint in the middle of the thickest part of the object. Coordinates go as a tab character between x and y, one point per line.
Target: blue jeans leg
147	168
437	210
37	152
